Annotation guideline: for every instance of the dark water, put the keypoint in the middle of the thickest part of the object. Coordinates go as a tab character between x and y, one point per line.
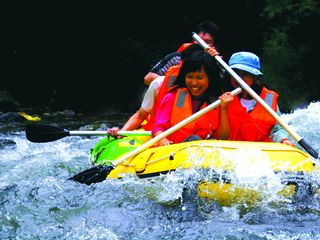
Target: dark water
37	202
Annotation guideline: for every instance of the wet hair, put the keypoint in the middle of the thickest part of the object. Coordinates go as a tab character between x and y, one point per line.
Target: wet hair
194	63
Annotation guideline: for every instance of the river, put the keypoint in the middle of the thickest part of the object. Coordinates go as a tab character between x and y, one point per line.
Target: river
38	202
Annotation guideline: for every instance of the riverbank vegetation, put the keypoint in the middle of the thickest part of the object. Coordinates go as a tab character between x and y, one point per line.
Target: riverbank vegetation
92	58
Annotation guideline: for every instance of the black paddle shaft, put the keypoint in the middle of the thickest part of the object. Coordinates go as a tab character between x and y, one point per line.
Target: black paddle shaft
308	148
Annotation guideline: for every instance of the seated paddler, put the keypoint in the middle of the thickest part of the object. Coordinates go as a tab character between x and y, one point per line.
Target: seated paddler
248	120
198	84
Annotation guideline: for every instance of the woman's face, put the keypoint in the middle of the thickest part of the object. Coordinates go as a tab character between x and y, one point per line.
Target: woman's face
197	82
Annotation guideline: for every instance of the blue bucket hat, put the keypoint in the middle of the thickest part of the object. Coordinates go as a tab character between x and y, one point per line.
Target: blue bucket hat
246	61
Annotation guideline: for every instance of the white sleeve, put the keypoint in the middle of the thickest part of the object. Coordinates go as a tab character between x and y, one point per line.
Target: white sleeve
151	94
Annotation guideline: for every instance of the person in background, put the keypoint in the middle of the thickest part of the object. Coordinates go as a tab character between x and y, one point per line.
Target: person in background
162	76
248	120
197	85
207	30
158	88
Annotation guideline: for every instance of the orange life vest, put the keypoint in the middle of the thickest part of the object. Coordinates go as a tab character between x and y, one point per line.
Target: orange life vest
168	82
170	77
255	125
183	47
203	126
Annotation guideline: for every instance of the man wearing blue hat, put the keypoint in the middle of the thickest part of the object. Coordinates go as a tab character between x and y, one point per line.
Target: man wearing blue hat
248	120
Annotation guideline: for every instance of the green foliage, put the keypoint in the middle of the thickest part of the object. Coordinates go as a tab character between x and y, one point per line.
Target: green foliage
290	50
290	10
280	66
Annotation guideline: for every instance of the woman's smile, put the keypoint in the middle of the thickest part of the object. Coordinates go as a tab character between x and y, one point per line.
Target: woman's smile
197	82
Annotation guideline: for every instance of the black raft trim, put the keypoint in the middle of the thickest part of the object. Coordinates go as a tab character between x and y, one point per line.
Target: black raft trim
156	174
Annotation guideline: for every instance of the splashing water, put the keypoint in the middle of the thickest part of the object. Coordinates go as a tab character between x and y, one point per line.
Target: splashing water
37	202
306	122
253	170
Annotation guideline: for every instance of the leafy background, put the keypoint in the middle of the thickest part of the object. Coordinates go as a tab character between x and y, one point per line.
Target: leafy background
91	56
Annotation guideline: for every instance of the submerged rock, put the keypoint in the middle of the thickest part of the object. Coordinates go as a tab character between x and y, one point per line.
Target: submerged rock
10	116
7	143
18	116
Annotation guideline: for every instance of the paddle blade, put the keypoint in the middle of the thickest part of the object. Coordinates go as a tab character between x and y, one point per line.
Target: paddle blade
44	133
93	175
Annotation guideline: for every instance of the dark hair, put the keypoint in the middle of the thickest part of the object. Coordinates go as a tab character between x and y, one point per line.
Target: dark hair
256	87
195	62
208	27
189	50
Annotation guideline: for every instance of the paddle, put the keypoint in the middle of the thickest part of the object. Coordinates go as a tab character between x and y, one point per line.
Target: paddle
100	173
246	87
45	133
